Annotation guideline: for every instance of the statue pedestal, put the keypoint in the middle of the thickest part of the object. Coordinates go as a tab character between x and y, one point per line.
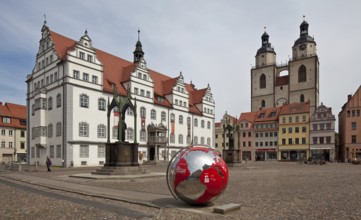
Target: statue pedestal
121	154
121	159
232	156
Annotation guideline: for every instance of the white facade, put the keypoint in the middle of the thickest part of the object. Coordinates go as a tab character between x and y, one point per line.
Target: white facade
67	107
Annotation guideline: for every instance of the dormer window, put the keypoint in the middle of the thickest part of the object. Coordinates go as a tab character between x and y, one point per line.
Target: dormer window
6	120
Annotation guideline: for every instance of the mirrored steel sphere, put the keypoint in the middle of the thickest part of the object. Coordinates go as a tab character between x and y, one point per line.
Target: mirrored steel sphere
197	175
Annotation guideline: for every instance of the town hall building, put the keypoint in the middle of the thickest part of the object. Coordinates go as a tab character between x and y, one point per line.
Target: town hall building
68	93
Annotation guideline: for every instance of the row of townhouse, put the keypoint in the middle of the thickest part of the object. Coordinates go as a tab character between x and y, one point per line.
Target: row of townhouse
286	133
13	132
68	95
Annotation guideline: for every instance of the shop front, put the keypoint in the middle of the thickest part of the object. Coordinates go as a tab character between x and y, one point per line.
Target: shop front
267	154
293	155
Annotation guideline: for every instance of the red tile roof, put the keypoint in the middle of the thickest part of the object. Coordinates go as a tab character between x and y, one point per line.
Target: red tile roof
117	71
295	108
267	114
282	80
15	112
248	116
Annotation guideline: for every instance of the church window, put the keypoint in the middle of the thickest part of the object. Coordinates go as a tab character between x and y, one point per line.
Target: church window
302	74
263	103
262	81
302	98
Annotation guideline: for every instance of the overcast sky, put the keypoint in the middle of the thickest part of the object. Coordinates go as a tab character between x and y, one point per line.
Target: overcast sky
212	42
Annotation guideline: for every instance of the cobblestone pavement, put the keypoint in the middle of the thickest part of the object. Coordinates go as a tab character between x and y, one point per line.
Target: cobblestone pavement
264	191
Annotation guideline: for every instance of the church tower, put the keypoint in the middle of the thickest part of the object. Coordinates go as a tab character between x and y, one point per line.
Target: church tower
262	76
301	84
304	70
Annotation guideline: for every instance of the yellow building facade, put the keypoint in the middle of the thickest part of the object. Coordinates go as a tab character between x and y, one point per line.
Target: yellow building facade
293	139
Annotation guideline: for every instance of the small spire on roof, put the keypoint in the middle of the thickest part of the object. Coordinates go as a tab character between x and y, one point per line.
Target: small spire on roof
86	31
265	28
138	34
304	16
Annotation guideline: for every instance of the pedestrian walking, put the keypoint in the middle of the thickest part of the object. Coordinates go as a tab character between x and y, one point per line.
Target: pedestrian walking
48	164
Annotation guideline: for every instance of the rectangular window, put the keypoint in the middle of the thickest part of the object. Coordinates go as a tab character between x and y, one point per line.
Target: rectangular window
82	55
353	125
51	151
86	77
76	74
303	140
142	135
249	143
283	119
275	133
304	129
297	129
148	94
283	130
115	133
297	140
289	140
58	151
244	134
314	127
10	144
348	113
101	131
90	58
304	118
353	113
84	151
101	151
136	91
244	143
328	140
314	140
297	119
22	145
249	134
2	144
322	126
55	76
353	139
10	133
95	79
283	141
358	112
289	130
142	92
290	119
256	144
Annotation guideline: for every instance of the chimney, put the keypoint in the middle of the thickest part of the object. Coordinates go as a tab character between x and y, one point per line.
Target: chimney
349	97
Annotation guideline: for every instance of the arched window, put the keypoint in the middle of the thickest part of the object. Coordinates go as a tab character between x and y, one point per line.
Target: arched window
209	125
83	129
50	103
101	104
188	120
58	100
262	81
202	124
195	122
195	141
202	140
180	139
263	103
58	129
153	114
302	98
142	112
101	131
302	74
163	116
50	130
208	142
172	117
84	101
181	119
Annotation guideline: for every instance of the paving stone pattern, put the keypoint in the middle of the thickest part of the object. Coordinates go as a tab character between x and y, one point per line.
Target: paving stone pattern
264	191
